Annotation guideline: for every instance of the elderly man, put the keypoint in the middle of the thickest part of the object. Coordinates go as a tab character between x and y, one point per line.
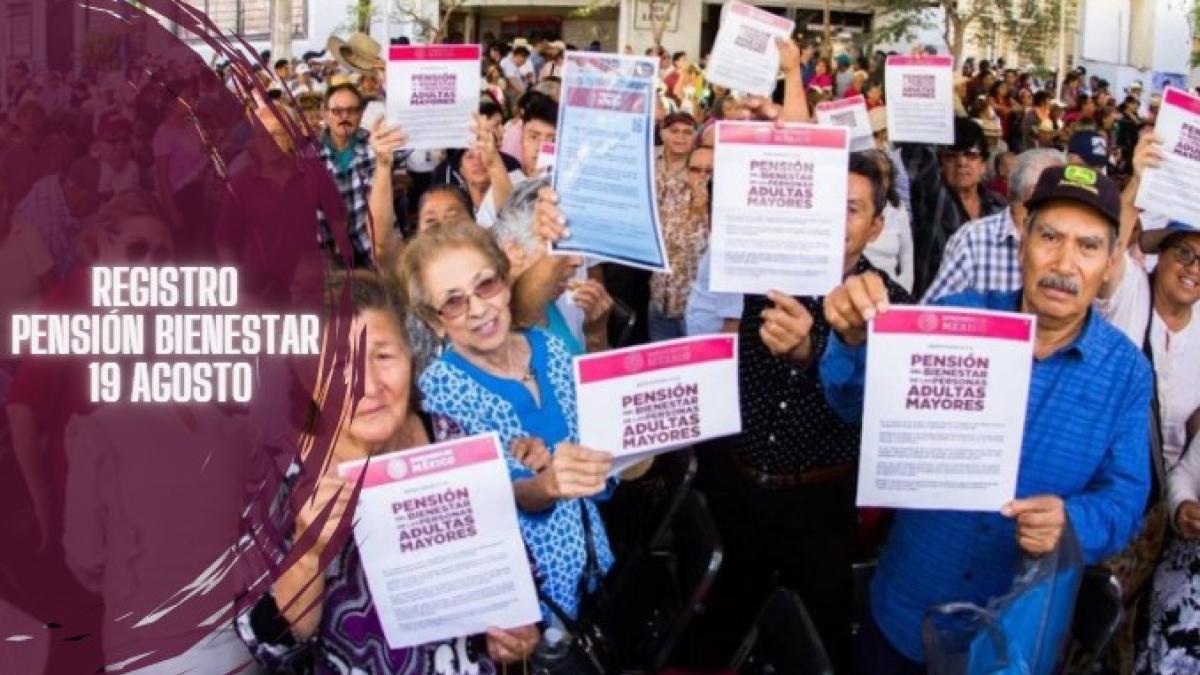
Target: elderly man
1086	431
545	285
946	193
360	162
982	256
782	491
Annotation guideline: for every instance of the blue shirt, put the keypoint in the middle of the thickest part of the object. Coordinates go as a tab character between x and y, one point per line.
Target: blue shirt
456	391
1087	431
556	324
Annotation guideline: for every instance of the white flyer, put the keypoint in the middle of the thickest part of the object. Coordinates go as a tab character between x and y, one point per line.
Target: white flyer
920	99
437	532
645	400
745	57
944	408
433	91
545	159
1170	189
852	114
779	208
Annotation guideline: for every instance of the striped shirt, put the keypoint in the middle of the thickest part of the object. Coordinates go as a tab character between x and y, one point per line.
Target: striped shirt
1087	433
982	256
353	178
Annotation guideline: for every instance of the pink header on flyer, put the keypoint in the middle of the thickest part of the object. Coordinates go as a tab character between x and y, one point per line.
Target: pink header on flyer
937	321
842	103
940	61
607	99
760	15
1182	99
654	357
398	466
767	134
434	53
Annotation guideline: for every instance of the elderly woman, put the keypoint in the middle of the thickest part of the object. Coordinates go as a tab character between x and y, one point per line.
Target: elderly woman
495	377
333	624
540	279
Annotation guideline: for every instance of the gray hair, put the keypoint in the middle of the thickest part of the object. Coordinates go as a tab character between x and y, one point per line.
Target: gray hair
1030	165
514	222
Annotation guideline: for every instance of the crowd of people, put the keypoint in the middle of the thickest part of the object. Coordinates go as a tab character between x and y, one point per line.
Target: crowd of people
288	169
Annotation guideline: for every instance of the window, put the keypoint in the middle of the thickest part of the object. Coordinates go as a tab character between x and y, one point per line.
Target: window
251	19
20	31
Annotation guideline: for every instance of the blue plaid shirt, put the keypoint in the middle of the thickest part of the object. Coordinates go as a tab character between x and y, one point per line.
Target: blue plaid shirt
354	185
1087	431
982	256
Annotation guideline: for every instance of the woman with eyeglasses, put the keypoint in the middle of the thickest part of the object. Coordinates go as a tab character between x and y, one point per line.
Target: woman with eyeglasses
1157	311
518	383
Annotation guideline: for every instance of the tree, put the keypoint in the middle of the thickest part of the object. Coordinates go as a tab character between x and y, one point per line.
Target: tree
431	32
1195	21
1030	25
363	13
900	19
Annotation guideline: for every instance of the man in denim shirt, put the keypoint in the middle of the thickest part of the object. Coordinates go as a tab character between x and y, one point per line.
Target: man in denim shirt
1086	446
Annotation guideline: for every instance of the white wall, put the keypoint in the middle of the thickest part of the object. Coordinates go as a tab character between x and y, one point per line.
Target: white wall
325	18
685	38
1104	31
1127	40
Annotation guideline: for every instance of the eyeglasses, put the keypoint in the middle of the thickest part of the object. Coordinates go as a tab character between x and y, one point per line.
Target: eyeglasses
345	112
1185	256
456	306
701	170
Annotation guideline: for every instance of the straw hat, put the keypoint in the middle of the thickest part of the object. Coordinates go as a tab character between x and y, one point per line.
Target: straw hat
359	52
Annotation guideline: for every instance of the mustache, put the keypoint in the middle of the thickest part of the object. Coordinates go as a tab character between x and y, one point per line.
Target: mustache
1059	283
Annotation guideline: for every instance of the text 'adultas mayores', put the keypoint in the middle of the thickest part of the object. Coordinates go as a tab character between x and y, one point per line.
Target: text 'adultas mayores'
167	294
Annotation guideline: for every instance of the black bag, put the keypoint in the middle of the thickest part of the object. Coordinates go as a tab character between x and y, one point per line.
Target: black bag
591	652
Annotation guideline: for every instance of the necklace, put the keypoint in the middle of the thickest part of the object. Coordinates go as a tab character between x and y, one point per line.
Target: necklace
526	375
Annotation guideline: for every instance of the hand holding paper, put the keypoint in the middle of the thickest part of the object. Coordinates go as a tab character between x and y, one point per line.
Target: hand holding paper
332	493
1148	154
485	142
548	220
386	140
574	472
850	306
1040	522
512	646
789	55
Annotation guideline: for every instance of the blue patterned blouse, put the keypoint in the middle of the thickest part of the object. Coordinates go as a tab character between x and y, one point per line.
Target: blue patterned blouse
464	399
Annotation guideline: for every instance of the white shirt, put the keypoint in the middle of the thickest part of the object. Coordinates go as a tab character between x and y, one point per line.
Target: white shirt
485	215
522	73
892	250
1176	356
706	309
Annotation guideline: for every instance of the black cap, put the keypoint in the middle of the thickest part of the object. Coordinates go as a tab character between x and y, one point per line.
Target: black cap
968	135
1081	185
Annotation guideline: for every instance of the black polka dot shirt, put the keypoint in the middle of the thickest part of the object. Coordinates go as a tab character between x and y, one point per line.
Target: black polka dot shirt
788	429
